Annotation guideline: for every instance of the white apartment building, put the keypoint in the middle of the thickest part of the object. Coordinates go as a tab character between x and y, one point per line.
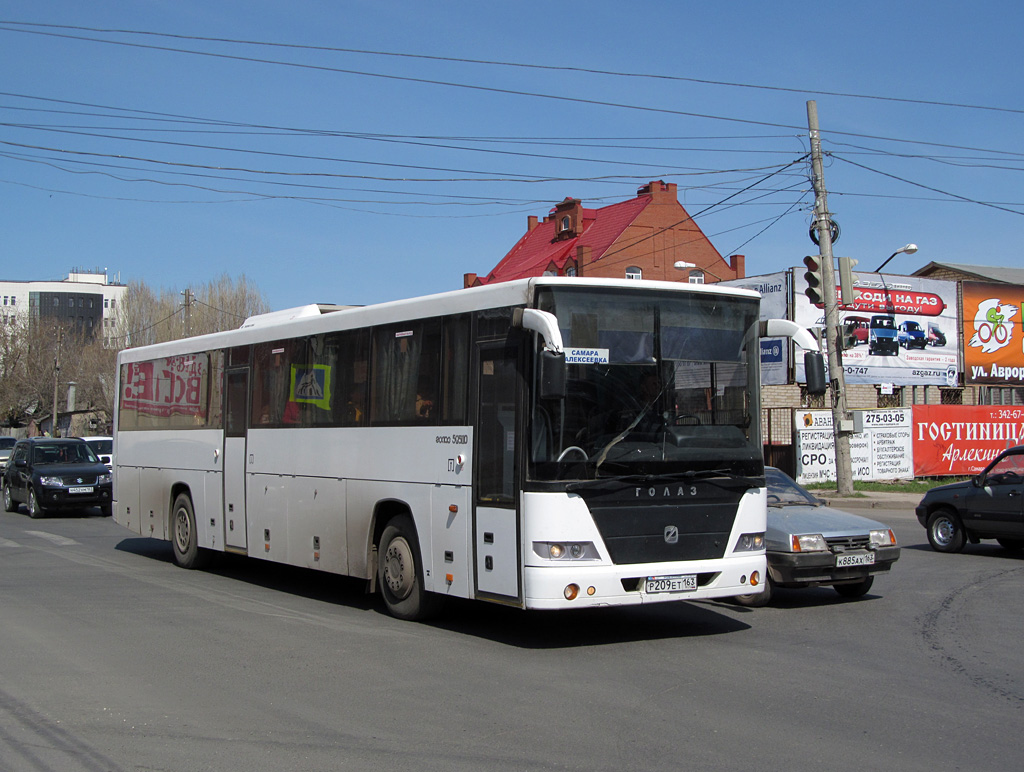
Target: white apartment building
87	299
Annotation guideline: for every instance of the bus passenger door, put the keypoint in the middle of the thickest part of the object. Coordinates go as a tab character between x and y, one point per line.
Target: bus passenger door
236	411
496	533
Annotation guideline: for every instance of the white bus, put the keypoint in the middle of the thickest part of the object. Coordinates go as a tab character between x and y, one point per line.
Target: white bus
547	443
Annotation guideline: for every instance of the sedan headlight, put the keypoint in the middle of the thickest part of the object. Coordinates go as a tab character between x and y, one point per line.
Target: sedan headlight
51	481
812	542
104	479
883	538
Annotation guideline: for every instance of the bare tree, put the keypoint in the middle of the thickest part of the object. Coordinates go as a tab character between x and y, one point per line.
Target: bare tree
221	304
32	349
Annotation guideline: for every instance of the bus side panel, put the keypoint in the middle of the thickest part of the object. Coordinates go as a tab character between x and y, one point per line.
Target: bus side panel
299	521
363	498
210	513
161	460
155	501
451	540
126	495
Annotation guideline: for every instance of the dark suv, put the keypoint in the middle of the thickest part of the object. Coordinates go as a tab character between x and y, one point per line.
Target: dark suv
48	474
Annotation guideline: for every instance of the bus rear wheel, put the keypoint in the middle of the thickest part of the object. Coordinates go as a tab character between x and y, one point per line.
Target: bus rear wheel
187	552
400	573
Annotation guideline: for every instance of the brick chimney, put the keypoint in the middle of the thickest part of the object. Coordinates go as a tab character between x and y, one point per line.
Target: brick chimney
531	222
739	264
661	192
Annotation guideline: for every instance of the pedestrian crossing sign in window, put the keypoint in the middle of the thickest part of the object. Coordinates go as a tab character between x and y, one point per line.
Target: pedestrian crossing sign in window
311	384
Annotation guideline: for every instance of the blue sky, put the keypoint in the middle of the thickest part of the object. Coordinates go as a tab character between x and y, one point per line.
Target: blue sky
366	174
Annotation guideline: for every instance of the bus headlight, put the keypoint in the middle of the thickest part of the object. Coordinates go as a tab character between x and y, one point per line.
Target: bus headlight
573	550
750	542
813	542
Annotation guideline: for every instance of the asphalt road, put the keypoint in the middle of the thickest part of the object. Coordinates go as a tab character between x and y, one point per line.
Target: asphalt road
112	659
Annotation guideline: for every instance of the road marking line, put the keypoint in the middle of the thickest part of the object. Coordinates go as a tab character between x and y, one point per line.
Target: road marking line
60	541
8	543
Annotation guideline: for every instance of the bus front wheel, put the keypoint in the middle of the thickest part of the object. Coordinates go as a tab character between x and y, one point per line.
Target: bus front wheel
187	552
400	572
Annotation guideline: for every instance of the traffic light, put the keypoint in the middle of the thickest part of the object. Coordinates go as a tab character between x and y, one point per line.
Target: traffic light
847	278
815	285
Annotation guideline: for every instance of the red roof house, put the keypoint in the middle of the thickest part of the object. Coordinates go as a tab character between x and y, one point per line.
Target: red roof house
642	238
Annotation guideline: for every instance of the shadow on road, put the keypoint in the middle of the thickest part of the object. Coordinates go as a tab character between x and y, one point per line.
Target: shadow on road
510	626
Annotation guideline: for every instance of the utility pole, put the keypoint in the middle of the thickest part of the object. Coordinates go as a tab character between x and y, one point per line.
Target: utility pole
188	312
56	379
834	343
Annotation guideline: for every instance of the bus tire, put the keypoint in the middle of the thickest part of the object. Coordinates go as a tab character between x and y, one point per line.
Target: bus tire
400	573
184	537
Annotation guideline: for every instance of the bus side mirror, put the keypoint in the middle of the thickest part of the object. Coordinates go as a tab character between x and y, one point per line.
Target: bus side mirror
552	375
814	370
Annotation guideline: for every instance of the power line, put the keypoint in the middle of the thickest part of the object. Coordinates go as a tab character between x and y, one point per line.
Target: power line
496	63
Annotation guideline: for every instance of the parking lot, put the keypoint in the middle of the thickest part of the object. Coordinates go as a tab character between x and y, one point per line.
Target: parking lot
114	659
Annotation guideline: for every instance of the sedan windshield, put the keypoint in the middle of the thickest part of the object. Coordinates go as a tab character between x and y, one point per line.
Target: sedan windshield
783	491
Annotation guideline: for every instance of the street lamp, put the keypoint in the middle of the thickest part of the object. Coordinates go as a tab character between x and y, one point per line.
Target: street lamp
909	249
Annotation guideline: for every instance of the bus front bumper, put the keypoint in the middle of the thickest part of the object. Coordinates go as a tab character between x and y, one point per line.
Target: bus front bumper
585	585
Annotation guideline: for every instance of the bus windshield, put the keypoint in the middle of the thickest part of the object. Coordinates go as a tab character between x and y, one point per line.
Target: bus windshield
659	383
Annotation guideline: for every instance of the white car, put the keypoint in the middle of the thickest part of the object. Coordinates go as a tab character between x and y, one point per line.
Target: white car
102	447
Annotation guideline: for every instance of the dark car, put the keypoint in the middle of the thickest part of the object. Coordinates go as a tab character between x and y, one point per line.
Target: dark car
49	474
911	335
988	506
882	336
809	544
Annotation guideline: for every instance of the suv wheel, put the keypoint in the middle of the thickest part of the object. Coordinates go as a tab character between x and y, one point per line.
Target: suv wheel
946	532
35	509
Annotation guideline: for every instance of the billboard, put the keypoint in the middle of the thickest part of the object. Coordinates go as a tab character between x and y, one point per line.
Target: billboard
882	451
901	329
962	439
993	339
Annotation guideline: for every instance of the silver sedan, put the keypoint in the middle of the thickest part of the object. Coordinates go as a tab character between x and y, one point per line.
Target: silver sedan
810	544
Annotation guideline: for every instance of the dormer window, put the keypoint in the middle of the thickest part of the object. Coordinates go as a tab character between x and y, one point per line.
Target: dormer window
566	223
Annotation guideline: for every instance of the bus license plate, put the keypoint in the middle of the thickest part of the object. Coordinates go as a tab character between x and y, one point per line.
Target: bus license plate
853	559
656	584
81	489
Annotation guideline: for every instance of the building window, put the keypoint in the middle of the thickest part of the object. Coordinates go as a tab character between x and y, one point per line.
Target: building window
566	222
951	396
112	302
634	272
14	301
570	271
106	302
891	400
696	277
